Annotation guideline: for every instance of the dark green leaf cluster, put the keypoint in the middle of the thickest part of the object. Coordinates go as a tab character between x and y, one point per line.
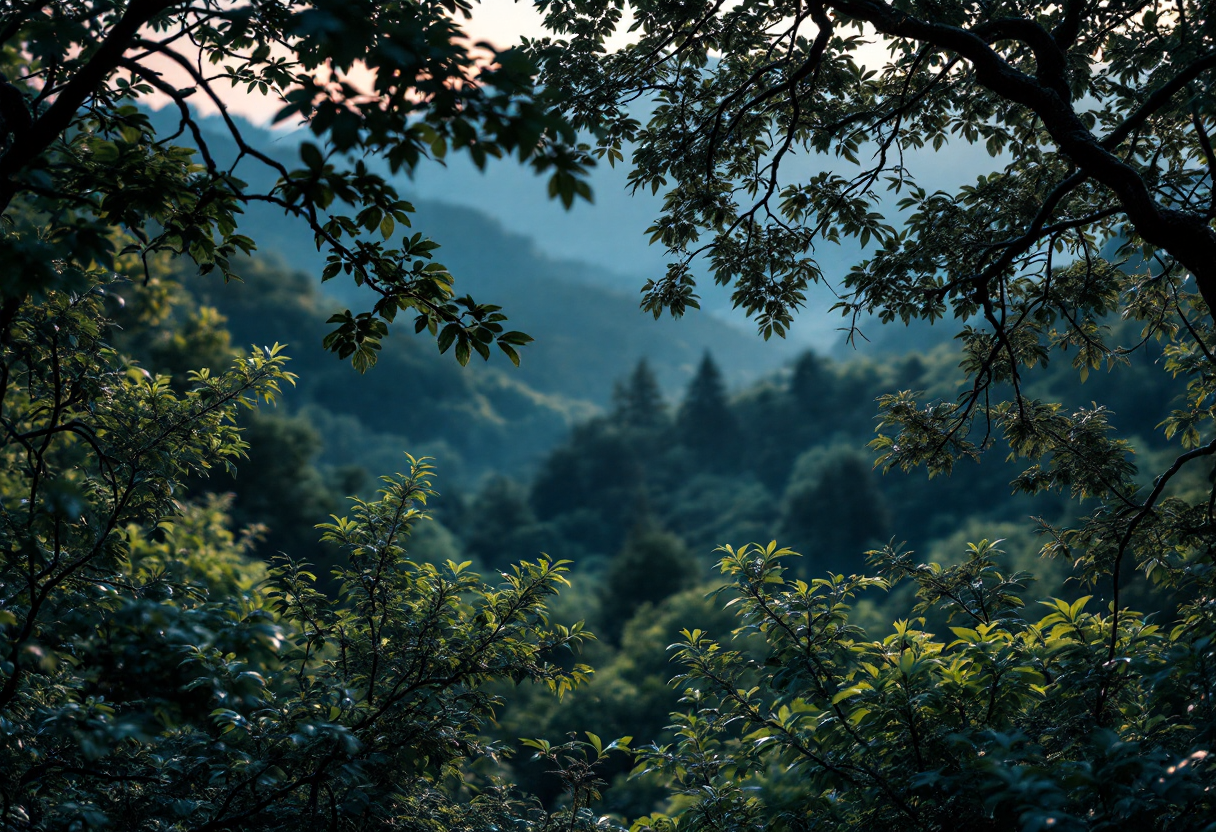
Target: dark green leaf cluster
87	178
1097	117
152	676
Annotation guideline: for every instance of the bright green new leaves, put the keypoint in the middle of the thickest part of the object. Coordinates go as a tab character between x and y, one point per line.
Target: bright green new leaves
153	677
576	762
1009	723
94	450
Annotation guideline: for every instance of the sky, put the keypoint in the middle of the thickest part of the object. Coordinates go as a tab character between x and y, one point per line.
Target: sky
501	23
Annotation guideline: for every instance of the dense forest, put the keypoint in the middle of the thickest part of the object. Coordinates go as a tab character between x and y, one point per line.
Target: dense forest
299	534
638	495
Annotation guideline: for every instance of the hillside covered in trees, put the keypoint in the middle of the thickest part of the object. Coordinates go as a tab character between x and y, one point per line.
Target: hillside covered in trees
637	496
298	534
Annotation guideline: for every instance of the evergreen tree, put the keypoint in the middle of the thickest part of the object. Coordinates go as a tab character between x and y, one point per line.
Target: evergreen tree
589	488
811	380
502	528
817	400
910	373
638	401
705	421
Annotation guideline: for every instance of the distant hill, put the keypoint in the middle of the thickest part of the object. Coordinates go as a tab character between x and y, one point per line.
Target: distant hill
413	400
485	417
610	233
587	333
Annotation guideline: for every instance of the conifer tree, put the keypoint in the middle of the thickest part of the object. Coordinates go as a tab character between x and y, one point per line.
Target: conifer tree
705	421
834	510
503	525
639	401
810	380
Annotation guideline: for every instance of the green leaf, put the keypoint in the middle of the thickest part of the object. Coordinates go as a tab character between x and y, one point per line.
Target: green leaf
848	693
310	154
510	352
447	335
104	152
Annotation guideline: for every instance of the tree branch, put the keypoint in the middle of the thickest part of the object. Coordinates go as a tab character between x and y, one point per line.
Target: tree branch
59	116
1186	236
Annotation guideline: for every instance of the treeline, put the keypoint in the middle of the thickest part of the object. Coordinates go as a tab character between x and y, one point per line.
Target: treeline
787	457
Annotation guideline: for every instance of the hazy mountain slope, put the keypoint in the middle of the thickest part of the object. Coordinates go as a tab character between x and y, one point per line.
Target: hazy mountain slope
413	400
586	334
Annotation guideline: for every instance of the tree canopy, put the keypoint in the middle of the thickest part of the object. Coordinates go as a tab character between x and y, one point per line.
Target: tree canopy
1091	240
776	128
152	674
704	420
1098	113
86	179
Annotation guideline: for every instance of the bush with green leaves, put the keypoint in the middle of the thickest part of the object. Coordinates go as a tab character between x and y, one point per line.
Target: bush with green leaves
1055	716
153	676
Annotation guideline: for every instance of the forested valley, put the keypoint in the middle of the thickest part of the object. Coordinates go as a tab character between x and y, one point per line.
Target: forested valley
637	496
299	535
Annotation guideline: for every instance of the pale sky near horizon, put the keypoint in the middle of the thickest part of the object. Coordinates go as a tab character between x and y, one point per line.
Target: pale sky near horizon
499	22
503	22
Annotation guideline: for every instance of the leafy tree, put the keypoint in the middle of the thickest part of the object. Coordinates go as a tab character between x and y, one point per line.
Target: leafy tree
126	615
704	421
628	695
652	565
85	177
1099	117
279	487
157	323
1100	125
152	676
593	488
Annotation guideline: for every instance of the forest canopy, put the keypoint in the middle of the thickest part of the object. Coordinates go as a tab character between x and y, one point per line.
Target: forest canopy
162	668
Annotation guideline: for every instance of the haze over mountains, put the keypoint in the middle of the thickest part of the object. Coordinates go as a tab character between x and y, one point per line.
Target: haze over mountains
600	245
582	311
568	278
